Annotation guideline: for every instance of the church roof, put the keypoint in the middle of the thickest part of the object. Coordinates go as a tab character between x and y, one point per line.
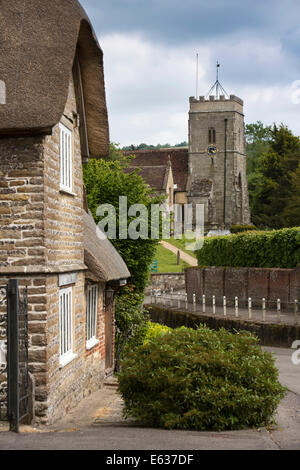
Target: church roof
39	39
155	176
179	158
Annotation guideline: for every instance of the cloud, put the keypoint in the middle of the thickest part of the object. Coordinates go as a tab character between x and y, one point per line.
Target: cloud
149	84
175	21
149	51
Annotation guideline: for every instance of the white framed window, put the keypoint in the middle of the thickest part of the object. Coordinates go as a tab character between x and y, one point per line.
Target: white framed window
66	354
91	316
66	163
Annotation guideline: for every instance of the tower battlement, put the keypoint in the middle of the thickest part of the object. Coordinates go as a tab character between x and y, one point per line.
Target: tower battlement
213	104
213	98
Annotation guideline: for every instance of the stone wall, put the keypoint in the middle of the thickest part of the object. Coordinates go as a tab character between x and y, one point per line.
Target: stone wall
257	283
21	204
269	334
63	211
67	386
166	281
37	331
41	236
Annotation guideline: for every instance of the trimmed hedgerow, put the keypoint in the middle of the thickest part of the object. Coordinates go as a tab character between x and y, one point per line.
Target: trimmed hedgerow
272	249
242	228
200	379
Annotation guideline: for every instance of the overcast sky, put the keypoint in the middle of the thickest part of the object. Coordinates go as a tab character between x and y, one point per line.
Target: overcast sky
150	51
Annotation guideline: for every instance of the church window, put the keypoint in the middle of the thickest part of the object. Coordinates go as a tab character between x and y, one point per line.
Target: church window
211	136
240	180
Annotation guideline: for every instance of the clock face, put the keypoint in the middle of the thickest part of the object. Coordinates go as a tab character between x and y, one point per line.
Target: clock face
212	150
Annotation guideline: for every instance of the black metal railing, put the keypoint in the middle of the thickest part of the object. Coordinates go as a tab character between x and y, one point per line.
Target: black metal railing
3	353
17	354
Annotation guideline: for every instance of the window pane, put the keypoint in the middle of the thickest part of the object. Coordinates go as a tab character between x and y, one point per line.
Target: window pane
65	157
91	314
65	321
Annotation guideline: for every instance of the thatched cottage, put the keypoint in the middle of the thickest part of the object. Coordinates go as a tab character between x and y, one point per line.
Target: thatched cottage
53	118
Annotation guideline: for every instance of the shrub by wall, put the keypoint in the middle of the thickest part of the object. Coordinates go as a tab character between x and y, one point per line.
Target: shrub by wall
272	249
200	379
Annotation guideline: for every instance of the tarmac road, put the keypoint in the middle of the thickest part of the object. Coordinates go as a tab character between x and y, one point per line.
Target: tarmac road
89	427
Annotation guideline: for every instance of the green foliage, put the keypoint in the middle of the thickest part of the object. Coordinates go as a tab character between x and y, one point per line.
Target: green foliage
273	158
272	249
105	181
242	228
258	137
115	153
143	334
153	147
155	330
291	213
130	319
200	379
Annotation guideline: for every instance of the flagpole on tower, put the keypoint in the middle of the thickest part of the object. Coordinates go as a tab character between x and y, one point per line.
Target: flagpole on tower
197	74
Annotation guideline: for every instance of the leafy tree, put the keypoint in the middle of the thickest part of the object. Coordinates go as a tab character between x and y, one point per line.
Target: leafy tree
105	181
144	146
291	213
115	153
257	141
182	144
271	174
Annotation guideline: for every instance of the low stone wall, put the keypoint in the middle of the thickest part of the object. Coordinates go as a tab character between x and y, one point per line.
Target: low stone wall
166	281
257	283
276	335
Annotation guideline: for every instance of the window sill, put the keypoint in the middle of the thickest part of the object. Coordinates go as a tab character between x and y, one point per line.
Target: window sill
92	343
64	361
67	192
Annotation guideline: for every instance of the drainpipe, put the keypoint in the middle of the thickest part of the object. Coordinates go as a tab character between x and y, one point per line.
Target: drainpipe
225	172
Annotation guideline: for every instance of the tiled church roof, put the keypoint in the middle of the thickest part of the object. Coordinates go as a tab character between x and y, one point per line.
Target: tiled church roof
147	159
153	175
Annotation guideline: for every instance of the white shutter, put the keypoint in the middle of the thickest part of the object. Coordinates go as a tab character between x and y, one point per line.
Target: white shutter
66	164
65	325
91	316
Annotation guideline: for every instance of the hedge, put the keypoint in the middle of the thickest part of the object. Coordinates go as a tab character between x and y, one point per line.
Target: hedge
271	249
200	379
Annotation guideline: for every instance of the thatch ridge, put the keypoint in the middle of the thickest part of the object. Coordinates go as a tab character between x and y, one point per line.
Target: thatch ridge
39	40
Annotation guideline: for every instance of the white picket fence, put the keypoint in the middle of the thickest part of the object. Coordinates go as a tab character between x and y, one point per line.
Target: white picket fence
207	305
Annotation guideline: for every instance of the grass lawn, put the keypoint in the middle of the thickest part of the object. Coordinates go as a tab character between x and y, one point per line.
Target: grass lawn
167	261
180	244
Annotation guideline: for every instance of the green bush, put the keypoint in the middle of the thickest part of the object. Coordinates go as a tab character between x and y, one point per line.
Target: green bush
155	330
270	249
130	320
242	228
143	334
200	379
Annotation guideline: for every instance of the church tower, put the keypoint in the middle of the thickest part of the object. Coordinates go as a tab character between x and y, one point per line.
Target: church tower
217	159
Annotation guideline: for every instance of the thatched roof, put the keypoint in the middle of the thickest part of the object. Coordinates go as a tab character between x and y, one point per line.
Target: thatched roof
102	259
39	40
